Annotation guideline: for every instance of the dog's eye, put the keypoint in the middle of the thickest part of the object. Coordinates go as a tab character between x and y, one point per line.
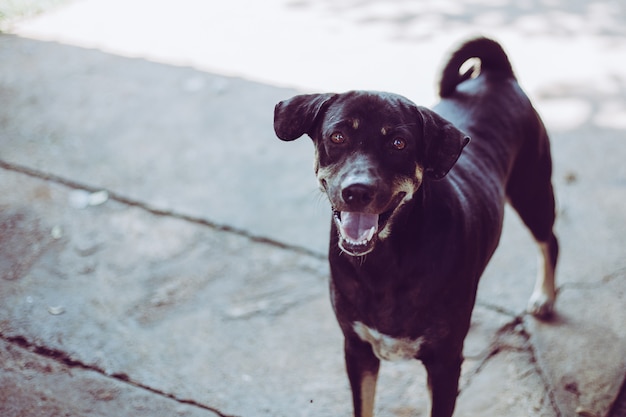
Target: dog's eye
337	138
398	143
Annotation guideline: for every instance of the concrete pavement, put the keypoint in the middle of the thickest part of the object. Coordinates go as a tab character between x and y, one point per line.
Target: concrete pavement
194	281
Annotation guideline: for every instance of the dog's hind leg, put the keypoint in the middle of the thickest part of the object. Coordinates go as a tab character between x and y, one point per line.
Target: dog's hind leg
530	192
537	212
541	303
362	367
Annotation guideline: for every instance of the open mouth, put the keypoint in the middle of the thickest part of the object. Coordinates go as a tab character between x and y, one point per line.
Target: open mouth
358	231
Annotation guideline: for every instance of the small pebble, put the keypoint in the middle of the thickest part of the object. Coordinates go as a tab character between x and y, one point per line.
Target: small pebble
81	199
56	232
585	412
98	198
571	178
56	310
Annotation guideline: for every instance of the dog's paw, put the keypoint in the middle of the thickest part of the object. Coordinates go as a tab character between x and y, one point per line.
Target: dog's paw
541	305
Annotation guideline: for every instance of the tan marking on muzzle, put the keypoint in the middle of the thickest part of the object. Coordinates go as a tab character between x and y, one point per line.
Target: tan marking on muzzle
419	175
408	186
323	174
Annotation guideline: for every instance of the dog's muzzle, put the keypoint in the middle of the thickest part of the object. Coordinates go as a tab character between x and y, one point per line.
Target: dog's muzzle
359	230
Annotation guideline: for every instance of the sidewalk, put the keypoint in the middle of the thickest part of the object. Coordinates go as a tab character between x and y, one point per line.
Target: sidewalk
196	284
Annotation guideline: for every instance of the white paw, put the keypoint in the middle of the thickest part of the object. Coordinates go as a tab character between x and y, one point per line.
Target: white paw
541	305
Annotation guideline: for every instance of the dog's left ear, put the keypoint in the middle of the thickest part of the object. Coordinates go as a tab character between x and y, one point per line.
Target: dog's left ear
297	116
443	143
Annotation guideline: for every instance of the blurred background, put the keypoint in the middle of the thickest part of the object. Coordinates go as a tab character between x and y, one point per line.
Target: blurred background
395	45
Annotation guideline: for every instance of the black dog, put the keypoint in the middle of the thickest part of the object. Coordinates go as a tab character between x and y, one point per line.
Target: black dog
415	219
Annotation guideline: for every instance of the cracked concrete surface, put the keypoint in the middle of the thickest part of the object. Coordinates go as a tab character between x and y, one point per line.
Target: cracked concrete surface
34	384
197	285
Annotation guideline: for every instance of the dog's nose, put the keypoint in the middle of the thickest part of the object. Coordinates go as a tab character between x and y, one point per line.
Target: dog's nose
358	196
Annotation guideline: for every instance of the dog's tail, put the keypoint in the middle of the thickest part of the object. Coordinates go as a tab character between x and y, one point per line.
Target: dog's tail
492	59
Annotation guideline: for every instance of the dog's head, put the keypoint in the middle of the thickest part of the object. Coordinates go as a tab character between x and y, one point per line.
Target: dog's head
373	151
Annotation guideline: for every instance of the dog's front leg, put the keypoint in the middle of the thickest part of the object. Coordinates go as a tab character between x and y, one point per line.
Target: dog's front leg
443	384
362	367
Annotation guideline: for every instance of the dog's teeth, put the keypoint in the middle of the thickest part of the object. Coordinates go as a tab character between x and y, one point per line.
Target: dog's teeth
366	238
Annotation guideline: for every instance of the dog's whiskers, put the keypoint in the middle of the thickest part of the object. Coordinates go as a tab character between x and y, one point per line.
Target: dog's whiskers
317	196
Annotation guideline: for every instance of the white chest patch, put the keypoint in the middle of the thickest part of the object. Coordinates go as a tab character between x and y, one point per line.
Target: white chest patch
386	347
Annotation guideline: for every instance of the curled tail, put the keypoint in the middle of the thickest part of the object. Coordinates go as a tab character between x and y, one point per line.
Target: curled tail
492	59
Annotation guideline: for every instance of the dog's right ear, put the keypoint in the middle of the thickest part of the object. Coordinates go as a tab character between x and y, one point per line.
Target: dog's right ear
297	116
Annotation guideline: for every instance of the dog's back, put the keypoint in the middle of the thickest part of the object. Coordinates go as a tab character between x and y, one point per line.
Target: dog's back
488	104
509	155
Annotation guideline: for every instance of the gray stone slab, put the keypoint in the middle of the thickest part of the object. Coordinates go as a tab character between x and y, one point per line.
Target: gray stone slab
169	304
34	385
172	137
583	351
508	384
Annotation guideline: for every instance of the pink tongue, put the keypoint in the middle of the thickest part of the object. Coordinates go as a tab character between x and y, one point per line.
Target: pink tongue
356	226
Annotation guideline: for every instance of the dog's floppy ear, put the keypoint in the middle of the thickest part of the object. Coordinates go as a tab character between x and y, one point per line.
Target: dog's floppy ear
296	116
443	143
